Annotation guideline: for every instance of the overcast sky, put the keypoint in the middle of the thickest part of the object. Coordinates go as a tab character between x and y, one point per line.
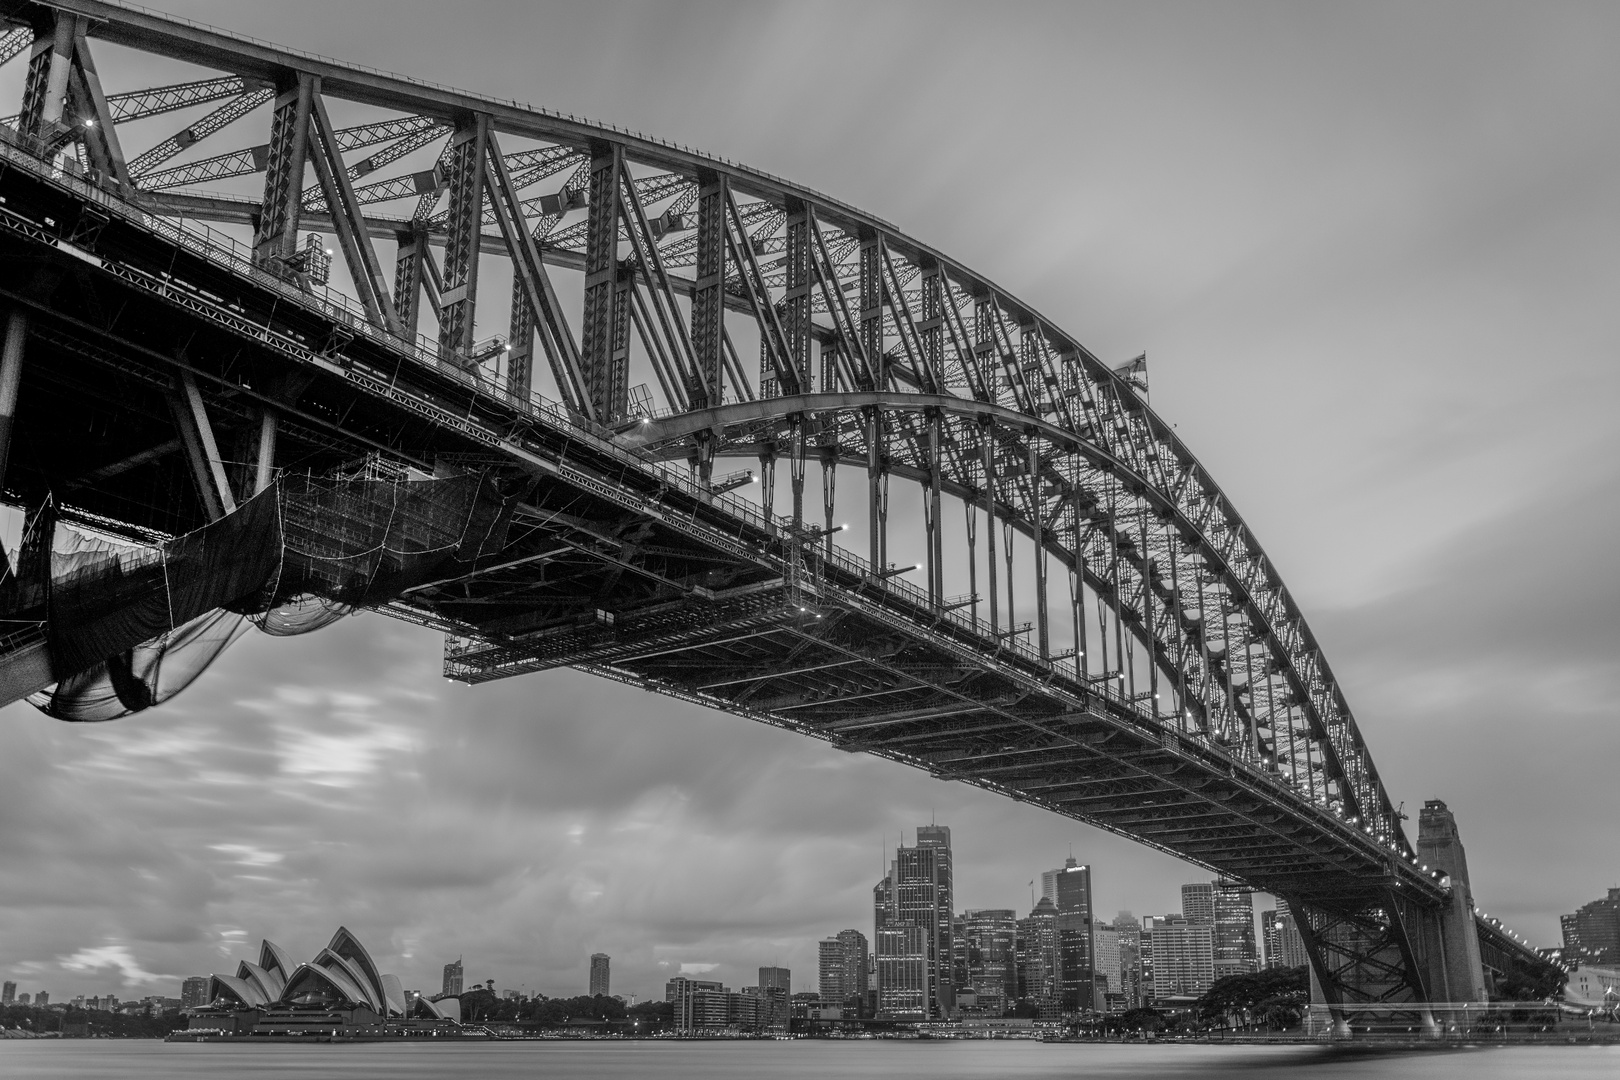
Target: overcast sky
1371	253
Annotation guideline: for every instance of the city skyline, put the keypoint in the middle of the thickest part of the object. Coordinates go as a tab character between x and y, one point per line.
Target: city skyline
1273	231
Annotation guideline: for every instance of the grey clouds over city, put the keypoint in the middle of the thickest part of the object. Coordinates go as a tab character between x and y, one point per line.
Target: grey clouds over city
1370	252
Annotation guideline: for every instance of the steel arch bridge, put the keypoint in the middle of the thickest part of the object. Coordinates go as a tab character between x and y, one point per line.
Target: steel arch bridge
1096	630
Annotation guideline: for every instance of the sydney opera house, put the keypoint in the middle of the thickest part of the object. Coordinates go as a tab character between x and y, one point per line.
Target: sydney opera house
338	993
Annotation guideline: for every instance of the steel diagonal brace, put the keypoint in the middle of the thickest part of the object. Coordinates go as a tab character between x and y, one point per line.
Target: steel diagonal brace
562	353
759	298
353	236
646	248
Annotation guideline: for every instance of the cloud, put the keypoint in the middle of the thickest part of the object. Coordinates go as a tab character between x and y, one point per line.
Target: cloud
110	956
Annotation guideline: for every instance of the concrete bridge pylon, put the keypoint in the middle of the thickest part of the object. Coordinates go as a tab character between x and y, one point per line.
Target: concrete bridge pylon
1461	971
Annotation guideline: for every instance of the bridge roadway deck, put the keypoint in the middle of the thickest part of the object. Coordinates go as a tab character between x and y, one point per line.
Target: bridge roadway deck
619	564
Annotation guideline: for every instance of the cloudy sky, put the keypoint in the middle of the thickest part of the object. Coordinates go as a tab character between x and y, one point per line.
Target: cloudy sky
1371	253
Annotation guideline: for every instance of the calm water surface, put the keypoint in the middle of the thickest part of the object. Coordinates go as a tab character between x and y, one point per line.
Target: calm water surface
800	1060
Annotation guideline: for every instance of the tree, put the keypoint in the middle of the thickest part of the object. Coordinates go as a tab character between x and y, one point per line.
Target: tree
1274	997
1142	1018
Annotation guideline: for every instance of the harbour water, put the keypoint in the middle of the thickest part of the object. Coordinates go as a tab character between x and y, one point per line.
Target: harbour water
87	1059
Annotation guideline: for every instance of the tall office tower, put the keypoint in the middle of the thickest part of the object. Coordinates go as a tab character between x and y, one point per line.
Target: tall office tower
1235	953
779	977
991	936
42	998
902	972
1145	958
194	992
1183	957
959	956
1069	889
1270	947
1130	958
917	893
1592	931
883	902
1290	946
452	978
842	970
599	974
1039	979
8	992
1198	903
1107	971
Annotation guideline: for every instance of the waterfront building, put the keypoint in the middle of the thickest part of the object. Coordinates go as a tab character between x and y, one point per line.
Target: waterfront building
705	1005
1592	932
991	947
1233	925
340	989
194	992
1183	957
775	1006
682	993
452	979
599	974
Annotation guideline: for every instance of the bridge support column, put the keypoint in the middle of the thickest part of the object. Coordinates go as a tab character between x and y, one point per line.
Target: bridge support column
1440	848
11	361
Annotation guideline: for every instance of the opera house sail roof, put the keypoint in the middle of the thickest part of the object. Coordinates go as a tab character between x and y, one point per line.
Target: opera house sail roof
341	976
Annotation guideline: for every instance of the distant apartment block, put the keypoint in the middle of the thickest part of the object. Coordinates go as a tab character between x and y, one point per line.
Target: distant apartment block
599	974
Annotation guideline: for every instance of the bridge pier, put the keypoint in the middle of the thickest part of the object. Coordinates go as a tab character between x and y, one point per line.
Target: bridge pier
1460	967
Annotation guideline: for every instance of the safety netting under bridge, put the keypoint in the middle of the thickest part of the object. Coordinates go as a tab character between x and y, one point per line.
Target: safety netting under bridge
125	626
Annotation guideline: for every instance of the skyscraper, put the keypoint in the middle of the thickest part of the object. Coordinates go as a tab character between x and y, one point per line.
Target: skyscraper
1183	957
1130	958
599	974
1270	943
1039	971
1106	964
990	937
1069	889
902	972
779	977
8	992
842	970
1198	903
1235	952
452	978
1290	946
42	998
917	893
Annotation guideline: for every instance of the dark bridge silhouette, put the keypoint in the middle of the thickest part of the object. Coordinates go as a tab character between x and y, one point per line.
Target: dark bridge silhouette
1091	627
